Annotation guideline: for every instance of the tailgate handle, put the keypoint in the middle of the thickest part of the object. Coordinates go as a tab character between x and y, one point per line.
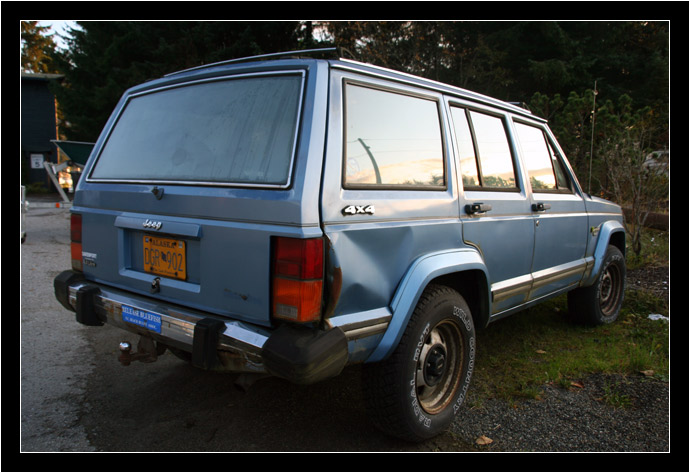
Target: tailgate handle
158	192
155	285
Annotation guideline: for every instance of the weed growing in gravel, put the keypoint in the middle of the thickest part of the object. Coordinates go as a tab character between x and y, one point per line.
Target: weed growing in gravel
614	398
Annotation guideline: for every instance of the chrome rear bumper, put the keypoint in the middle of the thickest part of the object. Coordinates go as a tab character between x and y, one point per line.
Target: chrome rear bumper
177	324
298	354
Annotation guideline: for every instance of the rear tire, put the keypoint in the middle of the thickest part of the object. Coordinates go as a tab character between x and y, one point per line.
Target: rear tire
600	303
415	393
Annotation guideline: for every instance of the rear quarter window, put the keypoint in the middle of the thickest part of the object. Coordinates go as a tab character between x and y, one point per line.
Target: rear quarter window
392	140
239	130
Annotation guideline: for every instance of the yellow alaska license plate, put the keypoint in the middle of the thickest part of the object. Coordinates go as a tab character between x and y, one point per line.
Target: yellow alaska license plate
165	257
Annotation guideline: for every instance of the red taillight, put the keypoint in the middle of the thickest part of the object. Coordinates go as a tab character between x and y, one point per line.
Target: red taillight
297	279
300	259
75	237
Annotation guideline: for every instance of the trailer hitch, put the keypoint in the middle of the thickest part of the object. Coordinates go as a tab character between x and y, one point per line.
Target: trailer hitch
147	351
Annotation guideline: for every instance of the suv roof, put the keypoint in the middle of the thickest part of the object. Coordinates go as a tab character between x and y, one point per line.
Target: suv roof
371	69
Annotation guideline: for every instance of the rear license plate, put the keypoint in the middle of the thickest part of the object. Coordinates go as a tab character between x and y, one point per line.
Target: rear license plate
142	318
165	257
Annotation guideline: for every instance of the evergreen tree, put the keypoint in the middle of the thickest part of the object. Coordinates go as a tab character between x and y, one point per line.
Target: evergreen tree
514	60
36	48
103	59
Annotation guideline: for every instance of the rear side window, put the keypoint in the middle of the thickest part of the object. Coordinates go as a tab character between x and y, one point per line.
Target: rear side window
466	152
240	130
391	140
486	161
545	170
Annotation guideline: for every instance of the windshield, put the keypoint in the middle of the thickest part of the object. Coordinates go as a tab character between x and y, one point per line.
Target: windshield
240	130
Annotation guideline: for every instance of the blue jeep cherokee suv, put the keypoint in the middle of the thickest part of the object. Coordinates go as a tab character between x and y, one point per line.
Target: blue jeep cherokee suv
293	216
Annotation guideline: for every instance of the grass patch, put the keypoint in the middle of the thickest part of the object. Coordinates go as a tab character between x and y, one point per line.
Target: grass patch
639	302
520	353
517	355
655	250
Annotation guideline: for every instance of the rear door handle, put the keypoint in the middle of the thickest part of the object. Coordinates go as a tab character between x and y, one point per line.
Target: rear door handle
540	207
477	208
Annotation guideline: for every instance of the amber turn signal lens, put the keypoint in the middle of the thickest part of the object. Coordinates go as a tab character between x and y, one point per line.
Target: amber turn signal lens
299	301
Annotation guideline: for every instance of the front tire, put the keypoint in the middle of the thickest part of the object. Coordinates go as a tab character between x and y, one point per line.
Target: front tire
416	392
601	302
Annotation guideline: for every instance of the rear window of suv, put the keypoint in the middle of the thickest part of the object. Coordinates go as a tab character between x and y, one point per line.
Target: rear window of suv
232	131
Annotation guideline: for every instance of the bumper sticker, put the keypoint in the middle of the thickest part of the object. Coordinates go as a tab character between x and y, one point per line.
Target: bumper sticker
142	318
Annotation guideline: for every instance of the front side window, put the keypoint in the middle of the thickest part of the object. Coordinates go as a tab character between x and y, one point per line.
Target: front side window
241	130
391	140
545	171
561	177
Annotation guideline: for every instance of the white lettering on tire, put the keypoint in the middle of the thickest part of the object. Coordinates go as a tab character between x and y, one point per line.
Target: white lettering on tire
462	315
420	343
419	414
465	320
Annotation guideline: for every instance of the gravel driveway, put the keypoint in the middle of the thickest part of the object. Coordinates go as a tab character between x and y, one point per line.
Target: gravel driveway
578	419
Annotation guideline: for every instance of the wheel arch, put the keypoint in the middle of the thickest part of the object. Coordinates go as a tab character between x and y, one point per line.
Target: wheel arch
611	232
473	286
462	270
617	239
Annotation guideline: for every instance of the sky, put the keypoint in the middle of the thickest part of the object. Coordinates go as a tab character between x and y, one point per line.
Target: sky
60	27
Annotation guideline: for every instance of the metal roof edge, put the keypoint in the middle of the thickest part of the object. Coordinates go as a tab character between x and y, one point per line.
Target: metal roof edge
279	55
488	100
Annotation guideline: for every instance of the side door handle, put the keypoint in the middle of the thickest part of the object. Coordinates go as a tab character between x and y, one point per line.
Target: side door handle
477	208
540	207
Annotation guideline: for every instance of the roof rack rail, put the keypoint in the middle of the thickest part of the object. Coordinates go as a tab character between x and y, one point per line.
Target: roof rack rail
521	105
297	53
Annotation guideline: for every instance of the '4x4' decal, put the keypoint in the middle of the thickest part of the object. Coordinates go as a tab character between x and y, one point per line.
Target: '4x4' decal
358	209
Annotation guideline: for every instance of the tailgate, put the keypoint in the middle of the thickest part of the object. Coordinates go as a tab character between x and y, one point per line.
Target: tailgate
191	180
217	261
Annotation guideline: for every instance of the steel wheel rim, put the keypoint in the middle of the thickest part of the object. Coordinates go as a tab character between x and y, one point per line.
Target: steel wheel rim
609	290
438	367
